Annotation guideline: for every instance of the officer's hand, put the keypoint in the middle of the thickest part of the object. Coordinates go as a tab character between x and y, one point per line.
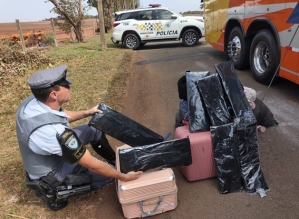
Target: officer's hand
132	175
94	110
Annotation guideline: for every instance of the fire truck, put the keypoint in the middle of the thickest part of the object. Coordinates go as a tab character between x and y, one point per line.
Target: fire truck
260	34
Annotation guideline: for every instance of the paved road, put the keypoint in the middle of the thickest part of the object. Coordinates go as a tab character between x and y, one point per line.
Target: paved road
153	101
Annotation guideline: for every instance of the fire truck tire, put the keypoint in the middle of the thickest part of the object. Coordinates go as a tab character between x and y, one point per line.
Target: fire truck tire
264	57
190	37
238	49
131	41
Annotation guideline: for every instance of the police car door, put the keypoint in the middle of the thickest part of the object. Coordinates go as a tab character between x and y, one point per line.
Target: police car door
145	25
166	25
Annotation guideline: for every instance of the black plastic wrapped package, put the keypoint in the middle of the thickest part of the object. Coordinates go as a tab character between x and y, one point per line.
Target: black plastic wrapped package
234	90
123	128
182	88
226	157
213	97
156	156
198	116
253	177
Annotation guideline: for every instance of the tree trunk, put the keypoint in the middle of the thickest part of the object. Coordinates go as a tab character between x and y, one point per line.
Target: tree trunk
102	25
79	32
117	5
109	15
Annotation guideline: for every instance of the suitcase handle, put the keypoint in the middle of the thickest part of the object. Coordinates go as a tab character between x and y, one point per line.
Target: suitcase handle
150	203
141	204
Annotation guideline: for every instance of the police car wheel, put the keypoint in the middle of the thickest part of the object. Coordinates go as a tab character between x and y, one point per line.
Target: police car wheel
131	41
190	37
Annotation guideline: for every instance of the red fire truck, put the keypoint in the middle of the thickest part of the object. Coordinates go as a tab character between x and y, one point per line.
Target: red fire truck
260	34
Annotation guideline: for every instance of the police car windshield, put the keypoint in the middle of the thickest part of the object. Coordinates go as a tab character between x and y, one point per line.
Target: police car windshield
175	13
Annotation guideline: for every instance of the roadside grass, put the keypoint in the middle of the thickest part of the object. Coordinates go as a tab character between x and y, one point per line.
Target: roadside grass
97	76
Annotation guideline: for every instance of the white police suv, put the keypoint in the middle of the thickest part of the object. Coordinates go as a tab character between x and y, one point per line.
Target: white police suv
134	28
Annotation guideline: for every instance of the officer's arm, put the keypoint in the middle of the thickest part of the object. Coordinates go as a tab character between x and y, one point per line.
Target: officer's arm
74	151
76	115
97	166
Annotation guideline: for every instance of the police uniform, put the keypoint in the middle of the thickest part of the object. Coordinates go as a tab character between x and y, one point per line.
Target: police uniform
38	127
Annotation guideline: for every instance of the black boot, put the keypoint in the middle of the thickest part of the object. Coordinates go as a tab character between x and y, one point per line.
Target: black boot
57	204
51	200
104	149
42	189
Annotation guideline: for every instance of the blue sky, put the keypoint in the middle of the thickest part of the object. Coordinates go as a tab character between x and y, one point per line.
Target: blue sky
37	10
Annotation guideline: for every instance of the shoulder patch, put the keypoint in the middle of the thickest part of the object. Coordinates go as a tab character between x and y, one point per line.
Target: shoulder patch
72	142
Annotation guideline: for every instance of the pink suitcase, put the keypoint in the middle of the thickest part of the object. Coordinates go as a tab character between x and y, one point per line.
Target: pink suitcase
152	193
203	163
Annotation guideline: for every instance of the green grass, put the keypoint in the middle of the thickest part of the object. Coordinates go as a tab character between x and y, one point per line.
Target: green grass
97	76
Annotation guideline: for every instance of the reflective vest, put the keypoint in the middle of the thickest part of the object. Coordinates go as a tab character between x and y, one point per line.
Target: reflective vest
36	164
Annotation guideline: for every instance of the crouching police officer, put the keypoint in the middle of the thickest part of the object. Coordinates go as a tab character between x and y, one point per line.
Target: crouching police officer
54	155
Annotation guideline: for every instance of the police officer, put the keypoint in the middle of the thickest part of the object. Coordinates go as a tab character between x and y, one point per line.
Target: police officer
48	144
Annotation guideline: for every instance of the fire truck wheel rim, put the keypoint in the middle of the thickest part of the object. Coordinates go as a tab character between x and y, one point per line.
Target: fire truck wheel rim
261	58
235	48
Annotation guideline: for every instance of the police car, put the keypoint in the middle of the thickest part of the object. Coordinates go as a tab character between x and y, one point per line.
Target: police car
134	28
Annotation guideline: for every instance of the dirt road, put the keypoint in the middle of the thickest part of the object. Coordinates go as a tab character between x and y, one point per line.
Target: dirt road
152	99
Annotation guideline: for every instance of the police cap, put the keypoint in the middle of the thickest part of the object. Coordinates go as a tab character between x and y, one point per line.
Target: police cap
48	78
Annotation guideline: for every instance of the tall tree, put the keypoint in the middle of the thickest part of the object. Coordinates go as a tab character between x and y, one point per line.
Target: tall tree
101	24
72	13
107	11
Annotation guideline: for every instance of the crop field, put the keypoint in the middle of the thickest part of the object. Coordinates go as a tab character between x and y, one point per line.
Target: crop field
7	29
